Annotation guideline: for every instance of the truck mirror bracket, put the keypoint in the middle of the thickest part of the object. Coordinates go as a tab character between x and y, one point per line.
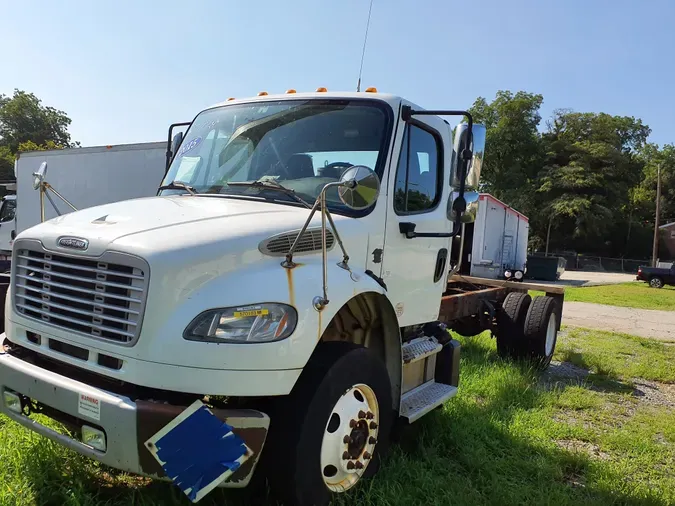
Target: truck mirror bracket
465	156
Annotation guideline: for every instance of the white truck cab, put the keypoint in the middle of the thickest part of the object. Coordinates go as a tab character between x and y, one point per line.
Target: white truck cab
7	226
293	268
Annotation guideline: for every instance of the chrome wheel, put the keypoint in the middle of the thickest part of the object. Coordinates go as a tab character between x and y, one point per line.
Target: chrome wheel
349	438
656	283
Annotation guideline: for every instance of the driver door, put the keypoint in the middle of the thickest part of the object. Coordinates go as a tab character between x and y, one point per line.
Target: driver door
415	270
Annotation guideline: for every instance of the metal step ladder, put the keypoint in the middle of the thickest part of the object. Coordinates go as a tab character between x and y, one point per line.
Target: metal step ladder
507	246
419	357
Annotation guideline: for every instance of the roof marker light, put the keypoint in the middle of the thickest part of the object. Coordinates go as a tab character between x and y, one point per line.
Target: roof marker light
290	91
321	90
372	89
229	99
262	93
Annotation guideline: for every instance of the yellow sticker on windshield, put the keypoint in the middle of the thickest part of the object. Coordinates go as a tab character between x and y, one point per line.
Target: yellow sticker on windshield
252	312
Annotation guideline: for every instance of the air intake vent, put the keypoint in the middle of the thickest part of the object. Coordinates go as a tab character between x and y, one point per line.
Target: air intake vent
310	242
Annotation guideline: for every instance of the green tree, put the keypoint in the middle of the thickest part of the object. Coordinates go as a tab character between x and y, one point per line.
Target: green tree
584	190
513	150
23	118
6	164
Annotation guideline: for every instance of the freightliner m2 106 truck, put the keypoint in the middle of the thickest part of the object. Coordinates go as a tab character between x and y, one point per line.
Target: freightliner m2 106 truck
282	301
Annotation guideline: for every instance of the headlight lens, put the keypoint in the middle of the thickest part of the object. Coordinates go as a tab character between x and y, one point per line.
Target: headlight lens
519	275
260	323
507	274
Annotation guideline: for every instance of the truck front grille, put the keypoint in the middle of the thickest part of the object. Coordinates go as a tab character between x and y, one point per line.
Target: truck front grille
100	297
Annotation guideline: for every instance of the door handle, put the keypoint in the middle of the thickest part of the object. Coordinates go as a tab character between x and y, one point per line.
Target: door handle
441	259
408	229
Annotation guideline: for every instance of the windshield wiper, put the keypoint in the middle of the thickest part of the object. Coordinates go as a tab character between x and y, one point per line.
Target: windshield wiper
271	185
179	185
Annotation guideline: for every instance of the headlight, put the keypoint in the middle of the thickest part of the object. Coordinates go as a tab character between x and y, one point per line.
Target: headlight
260	323
519	275
507	274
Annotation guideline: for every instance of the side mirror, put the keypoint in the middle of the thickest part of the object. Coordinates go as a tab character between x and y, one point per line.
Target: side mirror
40	175
359	187
471	199
175	143
477	146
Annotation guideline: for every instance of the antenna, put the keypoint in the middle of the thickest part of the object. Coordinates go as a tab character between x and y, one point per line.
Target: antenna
365	41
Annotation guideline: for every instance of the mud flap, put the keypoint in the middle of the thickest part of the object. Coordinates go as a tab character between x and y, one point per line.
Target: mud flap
198	451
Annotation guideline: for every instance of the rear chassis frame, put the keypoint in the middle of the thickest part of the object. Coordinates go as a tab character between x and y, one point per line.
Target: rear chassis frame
477	301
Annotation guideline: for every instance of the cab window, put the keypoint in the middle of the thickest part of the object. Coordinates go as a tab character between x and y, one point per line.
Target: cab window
419	172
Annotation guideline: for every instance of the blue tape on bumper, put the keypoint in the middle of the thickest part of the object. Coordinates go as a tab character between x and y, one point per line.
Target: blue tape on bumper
198	451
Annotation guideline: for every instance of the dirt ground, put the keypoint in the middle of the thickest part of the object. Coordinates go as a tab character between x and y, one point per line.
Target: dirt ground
638	322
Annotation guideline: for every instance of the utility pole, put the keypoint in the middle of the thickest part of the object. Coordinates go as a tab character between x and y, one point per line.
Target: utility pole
655	249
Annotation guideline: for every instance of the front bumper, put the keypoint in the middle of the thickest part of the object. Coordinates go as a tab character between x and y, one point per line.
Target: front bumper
127	424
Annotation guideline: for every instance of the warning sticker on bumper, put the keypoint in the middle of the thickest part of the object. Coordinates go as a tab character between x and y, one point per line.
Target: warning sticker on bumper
89	406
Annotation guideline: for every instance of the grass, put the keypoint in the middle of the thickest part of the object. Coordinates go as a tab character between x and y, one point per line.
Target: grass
635	294
510	437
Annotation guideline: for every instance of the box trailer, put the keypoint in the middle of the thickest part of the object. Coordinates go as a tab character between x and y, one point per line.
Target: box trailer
499	239
86	177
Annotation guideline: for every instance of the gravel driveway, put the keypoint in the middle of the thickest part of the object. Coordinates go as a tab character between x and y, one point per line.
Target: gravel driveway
638	322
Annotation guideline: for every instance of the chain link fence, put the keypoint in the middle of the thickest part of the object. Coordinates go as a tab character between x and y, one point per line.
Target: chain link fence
600	264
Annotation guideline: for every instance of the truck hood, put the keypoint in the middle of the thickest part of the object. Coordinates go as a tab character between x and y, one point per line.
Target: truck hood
144	225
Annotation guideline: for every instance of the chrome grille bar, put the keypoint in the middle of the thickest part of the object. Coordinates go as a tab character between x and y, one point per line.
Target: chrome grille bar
102	298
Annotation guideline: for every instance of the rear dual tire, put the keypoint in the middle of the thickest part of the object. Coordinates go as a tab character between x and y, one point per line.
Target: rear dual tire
528	328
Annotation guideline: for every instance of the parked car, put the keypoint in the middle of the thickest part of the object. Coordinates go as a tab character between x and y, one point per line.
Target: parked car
657	277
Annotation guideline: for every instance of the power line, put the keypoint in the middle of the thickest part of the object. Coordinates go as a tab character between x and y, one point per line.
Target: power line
365	41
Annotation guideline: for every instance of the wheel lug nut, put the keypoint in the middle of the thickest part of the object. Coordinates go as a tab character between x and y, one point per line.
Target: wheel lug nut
352	423
345	456
359	464
362	414
372	440
373	425
369	415
346	440
350	465
366	456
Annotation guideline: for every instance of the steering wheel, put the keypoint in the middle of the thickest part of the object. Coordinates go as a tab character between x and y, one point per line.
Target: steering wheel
334	169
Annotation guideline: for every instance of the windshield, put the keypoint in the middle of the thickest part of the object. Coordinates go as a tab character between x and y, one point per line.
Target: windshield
300	144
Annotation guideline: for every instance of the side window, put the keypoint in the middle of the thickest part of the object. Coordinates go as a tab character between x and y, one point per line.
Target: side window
421	169
7	211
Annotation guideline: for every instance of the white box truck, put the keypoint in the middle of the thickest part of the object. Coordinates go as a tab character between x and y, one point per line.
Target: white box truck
86	177
272	279
499	245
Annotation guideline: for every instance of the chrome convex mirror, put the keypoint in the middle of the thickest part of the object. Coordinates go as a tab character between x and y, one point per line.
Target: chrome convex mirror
40	184
469	215
358	189
39	176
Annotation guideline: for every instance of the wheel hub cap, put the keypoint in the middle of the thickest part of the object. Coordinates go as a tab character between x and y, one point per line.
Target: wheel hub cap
349	438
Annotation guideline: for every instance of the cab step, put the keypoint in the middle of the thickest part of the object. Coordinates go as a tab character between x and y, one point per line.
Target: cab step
419	349
419	401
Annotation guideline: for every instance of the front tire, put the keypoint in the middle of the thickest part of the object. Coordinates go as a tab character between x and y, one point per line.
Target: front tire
333	429
656	282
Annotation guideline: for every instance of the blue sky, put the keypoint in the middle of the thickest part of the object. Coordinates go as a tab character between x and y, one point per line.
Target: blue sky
125	70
